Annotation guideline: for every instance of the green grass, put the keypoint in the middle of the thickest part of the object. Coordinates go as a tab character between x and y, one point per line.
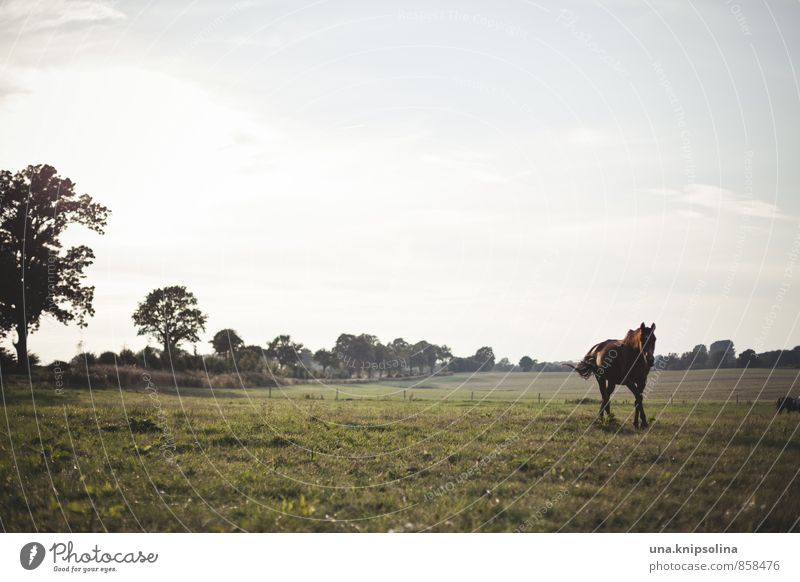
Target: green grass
465	453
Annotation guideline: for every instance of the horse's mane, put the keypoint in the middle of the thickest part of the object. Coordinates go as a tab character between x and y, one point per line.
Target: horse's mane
633	338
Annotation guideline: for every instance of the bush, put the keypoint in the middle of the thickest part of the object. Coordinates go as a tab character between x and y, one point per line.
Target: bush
84	360
126	357
107	358
149	358
7	360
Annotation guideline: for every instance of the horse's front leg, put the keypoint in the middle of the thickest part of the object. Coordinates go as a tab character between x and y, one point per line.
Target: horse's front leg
636	403
640	404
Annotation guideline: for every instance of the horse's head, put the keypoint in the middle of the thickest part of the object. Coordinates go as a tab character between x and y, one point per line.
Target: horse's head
647	342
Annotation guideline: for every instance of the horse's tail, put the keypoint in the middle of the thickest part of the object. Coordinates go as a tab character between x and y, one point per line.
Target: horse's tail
586	367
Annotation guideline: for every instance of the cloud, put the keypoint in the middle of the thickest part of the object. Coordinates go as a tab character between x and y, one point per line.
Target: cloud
702	198
56	13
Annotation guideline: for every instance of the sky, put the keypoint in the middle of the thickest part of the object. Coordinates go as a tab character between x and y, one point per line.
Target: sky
533	176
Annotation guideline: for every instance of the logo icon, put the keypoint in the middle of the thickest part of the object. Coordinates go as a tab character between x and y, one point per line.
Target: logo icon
31	555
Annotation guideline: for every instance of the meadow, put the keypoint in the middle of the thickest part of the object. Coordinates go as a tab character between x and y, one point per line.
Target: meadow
483	452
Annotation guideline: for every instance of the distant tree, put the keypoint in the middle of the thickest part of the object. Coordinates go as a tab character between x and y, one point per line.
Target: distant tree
504	365
226	342
421	352
305	362
363	349
126	357
84	360
748	359
526	363
696	359
285	351
382	354
252	359
149	357
721	354
356	352
343	350
485	356
326	359
38	277
107	358
401	352
171	316
444	354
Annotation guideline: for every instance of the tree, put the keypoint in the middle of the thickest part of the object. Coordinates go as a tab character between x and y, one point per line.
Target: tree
504	365
107	358
363	351
37	276
6	360
343	351
721	354
748	358
698	357
325	358
171	316
127	357
444	354
226	342
485	356
356	352
401	351
382	355
526	363
285	351
420	355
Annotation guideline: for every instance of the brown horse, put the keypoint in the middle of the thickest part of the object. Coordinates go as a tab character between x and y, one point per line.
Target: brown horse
626	362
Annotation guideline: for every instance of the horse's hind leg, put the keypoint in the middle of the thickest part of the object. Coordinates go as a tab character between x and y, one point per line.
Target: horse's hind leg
610	393
603	396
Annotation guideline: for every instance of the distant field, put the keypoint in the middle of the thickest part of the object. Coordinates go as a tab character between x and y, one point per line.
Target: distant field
756	384
443	459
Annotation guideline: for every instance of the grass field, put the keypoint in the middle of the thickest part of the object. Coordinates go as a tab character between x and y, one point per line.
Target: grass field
491	452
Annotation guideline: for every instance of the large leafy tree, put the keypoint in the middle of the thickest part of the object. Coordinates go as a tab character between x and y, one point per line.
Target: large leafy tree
325	358
485	357
226	342
526	363
357	352
38	276
283	349
171	316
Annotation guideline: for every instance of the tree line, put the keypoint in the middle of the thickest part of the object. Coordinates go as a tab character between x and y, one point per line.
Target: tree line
722	354
41	278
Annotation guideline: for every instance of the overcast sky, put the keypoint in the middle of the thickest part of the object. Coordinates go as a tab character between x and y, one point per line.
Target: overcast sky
531	176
